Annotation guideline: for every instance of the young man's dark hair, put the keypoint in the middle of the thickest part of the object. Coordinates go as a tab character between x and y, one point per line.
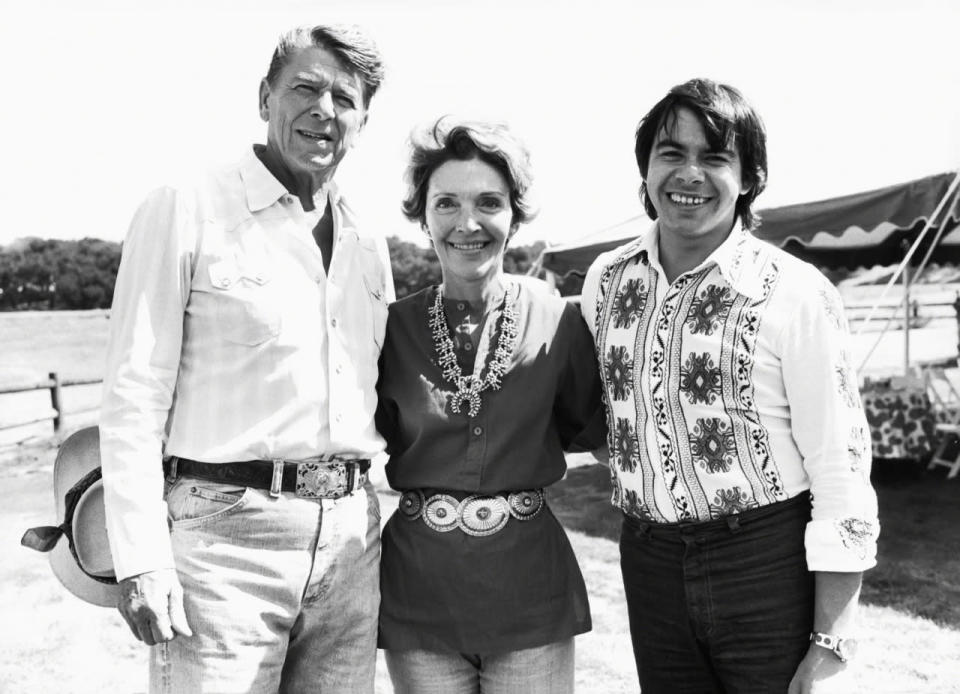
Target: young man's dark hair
726	117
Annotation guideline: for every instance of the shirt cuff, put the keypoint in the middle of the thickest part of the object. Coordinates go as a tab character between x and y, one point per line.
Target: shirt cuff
844	545
141	544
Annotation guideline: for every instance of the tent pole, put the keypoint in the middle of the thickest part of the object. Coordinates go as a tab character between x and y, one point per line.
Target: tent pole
906	320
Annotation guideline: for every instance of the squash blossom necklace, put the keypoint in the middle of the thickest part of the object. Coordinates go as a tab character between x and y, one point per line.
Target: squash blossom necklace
470	387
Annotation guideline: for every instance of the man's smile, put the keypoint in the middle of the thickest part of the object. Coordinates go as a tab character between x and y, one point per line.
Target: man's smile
685	200
315	136
468	245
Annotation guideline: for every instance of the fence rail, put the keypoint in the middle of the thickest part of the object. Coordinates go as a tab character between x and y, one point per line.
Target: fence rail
55	385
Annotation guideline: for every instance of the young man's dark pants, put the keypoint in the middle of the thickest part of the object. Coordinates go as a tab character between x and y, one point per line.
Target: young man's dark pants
719	606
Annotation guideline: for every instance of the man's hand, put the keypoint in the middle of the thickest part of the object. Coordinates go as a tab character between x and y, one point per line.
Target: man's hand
152	605
820	672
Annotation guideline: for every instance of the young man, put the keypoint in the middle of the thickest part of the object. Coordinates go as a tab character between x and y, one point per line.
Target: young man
247	322
738	447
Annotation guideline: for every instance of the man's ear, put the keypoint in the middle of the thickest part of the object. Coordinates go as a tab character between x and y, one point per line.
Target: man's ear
264	97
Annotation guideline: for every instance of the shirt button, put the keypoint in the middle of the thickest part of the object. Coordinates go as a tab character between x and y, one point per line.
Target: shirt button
339	368
468	346
460	306
477	431
333	322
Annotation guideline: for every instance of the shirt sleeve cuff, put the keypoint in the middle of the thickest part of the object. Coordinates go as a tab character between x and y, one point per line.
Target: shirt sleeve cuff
146	548
842	544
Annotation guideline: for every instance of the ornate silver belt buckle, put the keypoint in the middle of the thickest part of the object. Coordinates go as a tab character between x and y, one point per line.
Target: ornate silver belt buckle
411	504
480	516
321	480
526	504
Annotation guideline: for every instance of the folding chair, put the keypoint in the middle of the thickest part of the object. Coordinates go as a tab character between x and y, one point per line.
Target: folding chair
945	398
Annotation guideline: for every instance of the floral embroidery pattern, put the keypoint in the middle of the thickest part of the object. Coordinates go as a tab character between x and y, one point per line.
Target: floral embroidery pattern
833	311
619	371
710	308
857	448
713	445
700	379
856	534
632	506
846	383
628	304
730	501
626	448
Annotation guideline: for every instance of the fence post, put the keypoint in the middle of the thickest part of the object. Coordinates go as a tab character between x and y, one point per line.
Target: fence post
55	399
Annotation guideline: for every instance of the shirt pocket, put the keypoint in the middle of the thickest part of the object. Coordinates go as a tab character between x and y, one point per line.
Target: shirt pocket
245	306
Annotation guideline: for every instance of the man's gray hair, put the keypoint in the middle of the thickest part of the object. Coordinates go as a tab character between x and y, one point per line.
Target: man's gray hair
348	42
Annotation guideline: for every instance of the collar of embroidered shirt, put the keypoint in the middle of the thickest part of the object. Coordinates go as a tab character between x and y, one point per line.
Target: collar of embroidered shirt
263	189
737	258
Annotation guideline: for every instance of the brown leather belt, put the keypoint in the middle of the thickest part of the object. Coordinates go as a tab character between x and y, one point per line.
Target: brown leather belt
310	479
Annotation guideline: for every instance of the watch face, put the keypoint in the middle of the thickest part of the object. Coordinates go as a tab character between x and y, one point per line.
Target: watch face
847	649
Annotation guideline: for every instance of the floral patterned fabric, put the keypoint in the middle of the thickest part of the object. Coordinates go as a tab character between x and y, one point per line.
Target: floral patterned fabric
730	389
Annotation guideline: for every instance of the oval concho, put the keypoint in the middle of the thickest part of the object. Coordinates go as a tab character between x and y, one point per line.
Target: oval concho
525	505
483	515
411	504
440	513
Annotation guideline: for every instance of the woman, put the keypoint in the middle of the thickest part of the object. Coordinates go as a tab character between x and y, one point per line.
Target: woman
483	384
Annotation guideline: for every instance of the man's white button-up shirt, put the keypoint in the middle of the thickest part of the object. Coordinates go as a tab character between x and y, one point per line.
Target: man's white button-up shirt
229	342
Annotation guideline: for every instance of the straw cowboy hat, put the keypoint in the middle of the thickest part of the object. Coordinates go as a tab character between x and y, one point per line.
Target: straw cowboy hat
82	562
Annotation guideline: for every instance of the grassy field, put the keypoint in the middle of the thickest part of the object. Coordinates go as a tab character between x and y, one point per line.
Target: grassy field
910	618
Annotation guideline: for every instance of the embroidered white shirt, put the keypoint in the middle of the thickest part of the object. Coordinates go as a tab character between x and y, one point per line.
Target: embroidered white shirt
229	342
731	389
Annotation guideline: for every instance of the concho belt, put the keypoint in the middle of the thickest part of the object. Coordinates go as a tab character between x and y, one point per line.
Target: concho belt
478	515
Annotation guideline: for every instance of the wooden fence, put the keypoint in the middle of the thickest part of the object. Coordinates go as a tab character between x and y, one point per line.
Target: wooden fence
55	385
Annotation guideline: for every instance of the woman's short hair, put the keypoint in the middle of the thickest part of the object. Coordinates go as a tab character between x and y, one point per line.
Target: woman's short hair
449	138
725	116
346	41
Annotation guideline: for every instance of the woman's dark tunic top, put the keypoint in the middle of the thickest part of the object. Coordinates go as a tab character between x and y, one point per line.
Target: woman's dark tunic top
520	587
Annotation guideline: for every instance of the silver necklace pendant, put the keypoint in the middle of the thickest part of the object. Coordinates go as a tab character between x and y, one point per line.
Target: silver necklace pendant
471	386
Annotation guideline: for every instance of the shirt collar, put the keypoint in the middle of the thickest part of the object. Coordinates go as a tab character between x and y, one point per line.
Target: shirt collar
739	258
263	189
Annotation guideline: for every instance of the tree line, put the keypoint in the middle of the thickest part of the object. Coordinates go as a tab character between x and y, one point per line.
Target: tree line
43	274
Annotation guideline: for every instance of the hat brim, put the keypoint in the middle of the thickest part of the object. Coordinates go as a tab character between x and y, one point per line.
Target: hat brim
73	579
79	454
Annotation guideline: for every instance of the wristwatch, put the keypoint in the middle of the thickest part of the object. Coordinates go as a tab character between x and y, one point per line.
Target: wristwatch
844	649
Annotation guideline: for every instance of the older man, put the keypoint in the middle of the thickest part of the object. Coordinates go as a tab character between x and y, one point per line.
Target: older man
739	449
247	322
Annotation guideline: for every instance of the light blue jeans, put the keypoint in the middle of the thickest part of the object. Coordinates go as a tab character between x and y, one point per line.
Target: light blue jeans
282	594
543	670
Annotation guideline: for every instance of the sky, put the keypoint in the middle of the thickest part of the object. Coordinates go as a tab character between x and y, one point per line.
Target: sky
107	99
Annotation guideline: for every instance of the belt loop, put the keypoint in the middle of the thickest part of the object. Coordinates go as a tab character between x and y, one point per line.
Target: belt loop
276	483
733	524
172	469
353	476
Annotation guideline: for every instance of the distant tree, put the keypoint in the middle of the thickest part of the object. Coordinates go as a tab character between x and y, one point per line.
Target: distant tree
55	274
51	273
413	267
